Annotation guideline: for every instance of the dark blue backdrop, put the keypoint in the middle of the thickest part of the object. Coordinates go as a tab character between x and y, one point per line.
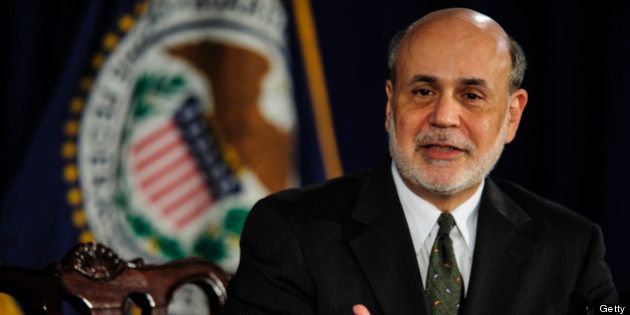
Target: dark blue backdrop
572	147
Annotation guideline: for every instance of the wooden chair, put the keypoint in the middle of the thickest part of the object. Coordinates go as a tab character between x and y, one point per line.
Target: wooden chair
94	280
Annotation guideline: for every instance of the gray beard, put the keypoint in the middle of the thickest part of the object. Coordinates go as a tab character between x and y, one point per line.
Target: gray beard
475	173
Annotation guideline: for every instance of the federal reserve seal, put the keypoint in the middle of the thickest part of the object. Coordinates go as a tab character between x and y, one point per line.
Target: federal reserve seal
188	122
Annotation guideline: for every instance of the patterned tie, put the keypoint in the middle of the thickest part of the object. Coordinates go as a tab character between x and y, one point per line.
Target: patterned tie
444	284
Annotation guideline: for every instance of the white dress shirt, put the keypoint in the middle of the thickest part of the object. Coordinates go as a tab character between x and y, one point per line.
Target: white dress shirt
422	220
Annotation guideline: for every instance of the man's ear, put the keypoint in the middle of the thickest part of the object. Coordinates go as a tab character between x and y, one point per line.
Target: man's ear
518	101
388	108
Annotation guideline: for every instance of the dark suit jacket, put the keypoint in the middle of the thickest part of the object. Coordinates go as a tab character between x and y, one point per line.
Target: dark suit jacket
324	248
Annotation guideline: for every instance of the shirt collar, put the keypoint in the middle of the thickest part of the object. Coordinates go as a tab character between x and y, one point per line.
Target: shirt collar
422	215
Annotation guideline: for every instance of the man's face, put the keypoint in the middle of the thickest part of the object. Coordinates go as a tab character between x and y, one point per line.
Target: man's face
450	111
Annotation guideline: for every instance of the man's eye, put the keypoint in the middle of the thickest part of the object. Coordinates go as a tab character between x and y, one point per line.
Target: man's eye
422	92
472	96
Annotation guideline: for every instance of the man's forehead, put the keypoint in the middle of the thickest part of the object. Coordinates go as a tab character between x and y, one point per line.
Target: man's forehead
451	29
457	64
455	50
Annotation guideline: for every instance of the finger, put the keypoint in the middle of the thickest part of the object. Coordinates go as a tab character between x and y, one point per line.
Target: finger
360	309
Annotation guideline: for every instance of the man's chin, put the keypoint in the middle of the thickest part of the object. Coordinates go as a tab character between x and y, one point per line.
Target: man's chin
442	180
444	189
441	187
453	163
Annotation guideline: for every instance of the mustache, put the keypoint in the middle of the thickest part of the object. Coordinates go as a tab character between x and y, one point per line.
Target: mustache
443	137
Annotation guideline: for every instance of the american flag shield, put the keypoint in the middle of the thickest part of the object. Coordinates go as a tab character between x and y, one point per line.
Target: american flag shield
178	169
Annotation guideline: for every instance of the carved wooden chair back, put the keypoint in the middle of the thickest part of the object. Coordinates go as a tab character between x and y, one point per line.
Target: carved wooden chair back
94	280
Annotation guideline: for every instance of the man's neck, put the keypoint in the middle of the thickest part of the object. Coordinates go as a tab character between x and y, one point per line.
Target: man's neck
444	202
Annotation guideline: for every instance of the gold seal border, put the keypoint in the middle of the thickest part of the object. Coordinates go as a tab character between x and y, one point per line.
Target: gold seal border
71	128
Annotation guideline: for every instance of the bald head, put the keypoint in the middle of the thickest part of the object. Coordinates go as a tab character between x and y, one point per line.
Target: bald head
454	23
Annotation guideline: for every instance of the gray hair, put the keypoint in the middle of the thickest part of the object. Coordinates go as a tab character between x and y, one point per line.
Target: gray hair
519	61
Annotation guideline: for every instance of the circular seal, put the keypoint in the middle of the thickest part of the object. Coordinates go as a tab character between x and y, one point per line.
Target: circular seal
189	122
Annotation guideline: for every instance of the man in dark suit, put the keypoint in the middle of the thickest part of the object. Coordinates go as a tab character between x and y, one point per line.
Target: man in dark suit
428	232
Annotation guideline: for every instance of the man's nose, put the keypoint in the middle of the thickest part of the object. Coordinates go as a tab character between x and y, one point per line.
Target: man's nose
445	113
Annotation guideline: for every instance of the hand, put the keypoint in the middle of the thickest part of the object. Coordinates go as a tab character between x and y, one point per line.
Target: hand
360	309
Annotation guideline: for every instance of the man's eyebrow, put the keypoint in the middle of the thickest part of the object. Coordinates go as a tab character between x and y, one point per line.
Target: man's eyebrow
424	78
474	81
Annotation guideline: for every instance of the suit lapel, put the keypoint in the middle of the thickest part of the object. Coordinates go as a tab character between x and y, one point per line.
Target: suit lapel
503	249
384	248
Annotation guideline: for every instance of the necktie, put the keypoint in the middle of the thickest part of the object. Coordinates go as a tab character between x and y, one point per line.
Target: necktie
444	284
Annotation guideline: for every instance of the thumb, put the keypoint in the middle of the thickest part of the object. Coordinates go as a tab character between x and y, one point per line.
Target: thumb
360	309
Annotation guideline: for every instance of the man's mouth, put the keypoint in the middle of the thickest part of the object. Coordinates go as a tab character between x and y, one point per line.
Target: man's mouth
440	151
442	147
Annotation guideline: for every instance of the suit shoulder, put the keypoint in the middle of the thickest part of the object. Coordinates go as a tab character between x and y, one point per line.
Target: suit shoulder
540	208
337	187
332	198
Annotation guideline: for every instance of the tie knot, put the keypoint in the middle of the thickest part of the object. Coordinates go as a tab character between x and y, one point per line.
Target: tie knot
446	222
